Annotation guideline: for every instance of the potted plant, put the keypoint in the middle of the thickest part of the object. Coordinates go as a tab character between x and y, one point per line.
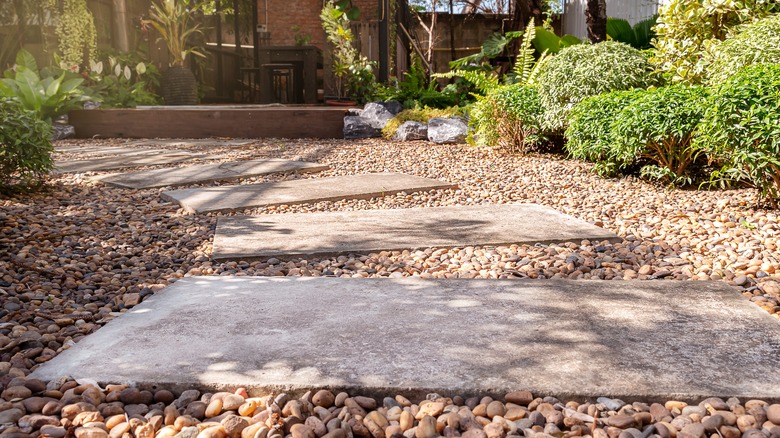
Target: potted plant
350	68
173	20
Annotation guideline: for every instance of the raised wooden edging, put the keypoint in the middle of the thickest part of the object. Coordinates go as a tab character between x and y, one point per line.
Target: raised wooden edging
207	121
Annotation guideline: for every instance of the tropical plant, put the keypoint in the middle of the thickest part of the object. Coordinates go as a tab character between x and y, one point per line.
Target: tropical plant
589	134
640	36
545	40
585	70
25	149
756	43
124	81
740	129
493	46
658	125
350	68
173	20
509	117
687	30
48	93
415	90
76	34
418	114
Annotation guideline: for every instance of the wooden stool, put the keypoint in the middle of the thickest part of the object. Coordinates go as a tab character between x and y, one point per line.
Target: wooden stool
281	77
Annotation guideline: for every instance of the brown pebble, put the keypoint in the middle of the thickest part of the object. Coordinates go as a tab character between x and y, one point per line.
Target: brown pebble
426	428
90	432
213	409
234	425
339	400
323	398
213	432
621	421
773	414
366	403
519	397
495	408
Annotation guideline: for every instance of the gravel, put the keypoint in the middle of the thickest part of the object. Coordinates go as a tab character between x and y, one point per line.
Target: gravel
79	254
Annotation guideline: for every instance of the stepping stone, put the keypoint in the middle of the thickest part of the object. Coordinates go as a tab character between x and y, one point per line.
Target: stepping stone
193	142
300	191
323	234
123	161
113	150
207	173
636	340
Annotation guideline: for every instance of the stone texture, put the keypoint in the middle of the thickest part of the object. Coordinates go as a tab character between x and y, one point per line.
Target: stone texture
443	130
237	197
207	173
569	338
411	130
253	237
357	127
123	161
379	113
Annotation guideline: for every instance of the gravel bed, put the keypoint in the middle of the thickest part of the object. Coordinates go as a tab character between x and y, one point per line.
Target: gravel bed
78	255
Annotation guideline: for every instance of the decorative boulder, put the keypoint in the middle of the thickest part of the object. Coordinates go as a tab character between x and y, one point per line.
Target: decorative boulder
443	130
356	127
354	112
61	131
379	113
411	130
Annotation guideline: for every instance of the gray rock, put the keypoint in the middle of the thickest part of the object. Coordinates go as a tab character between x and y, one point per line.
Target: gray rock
11	415
357	112
360	127
613	404
91	105
379	113
411	130
61	132
443	130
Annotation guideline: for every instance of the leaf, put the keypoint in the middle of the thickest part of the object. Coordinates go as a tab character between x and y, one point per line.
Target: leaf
546	41
353	13
71	84
620	30
54	86
25	59
569	40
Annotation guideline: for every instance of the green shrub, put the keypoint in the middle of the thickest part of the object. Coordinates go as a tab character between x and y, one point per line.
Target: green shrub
757	43
589	132
658	125
422	115
124	81
25	150
686	29
585	70
509	117
741	129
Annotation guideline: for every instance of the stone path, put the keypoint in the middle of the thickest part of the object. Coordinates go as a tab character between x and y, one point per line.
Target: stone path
124	161
237	197
113	150
362	232
192	142
634	340
207	173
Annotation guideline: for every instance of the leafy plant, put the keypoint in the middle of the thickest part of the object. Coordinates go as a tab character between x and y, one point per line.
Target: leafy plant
640	36
47	93
349	67
509	117
589	134
740	129
173	19
757	43
25	149
493	46
687	30
418	114
416	91
584	70
658	125
76	34
301	39
546	40
124	81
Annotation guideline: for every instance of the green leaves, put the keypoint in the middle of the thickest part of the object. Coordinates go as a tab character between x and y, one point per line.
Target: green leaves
547	41
639	37
173	21
27	60
509	117
25	150
757	43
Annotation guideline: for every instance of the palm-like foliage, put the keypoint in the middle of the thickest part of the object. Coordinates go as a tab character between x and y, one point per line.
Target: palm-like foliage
173	20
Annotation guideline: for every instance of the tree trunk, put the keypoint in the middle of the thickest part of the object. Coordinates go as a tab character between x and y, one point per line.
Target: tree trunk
523	10
121	34
596	18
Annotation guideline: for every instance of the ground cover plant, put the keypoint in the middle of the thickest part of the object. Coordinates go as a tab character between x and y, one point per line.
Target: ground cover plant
422	115
740	129
25	150
584	70
509	117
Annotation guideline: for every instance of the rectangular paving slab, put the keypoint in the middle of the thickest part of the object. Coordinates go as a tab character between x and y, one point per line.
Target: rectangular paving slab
193	142
646	340
323	234
112	150
300	191
123	161
207	173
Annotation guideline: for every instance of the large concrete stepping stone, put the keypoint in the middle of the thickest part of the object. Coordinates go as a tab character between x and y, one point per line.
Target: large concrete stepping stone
637	340
207	173
325	234
193	142
124	161
112	150
300	191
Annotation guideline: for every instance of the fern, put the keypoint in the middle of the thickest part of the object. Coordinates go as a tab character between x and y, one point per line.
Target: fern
483	82
525	56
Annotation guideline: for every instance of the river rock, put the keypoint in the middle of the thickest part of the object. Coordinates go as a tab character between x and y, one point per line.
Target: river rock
323	398
519	397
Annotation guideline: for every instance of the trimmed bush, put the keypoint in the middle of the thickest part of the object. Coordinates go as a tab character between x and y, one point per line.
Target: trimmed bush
589	132
758	43
25	149
741	128
509	117
421	115
658	126
585	70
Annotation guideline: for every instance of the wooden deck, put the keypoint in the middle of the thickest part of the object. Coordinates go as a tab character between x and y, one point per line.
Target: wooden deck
244	121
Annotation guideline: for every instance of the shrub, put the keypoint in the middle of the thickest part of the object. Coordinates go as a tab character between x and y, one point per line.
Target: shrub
757	43
418	114
687	28
741	129
25	150
589	134
509	117
658	125
585	70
